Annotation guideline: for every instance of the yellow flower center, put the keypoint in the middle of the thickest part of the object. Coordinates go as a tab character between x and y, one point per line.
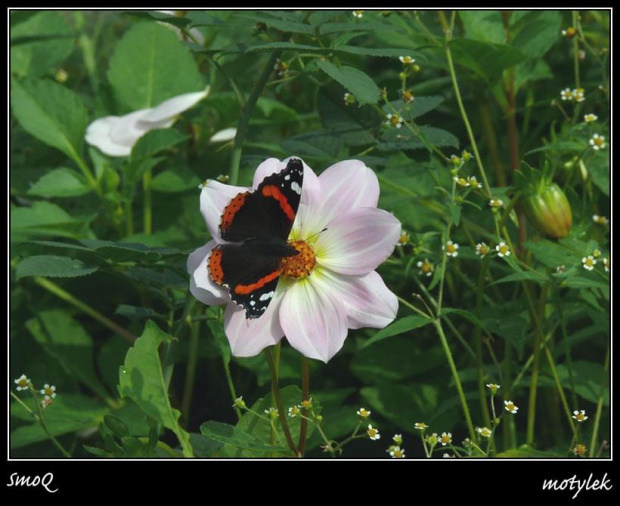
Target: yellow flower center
503	250
407	96
23	383
300	265
510	406
483	250
590	262
427	267
395	120
580	450
599	141
450	248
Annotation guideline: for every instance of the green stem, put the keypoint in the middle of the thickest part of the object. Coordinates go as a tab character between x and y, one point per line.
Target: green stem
66	296
246	112
576	50
459	101
558	385
148	211
478	343
455	376
599	404
190	375
39	418
231	387
305	394
275	392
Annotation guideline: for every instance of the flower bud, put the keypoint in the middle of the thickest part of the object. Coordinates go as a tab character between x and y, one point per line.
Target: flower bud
549	211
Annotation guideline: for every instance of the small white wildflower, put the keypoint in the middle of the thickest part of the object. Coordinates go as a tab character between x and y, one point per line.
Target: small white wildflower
398	439
426	268
394	120
420	426
49	391
451	249
482	249
373	433
588	262
590	118
597	142
580	416
446	438
493	387
272	413
510	407
484	431
239	403
406	60
502	249
397	452
496	203
579	94
473	181
363	413
601	220
23	383
294	411
566	94
358	14
606	264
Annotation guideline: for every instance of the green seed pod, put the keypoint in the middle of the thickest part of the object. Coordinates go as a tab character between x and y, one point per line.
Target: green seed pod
549	211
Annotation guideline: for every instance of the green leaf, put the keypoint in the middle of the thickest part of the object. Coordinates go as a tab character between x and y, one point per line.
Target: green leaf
387	52
150	65
420	106
527	452
506	322
329	28
156	141
69	413
399	327
216	326
395	360
552	254
118	252
47	219
355	81
485	59
395	139
51	46
116	426
53	267
465	314
177	21
66	341
536	33
558	146
320	144
280	24
52	113
61	182
142	380
110	357
137	313
231	435
484	26
345	121
599	170
587	377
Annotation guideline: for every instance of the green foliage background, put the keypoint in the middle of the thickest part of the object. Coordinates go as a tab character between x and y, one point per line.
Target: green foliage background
92	232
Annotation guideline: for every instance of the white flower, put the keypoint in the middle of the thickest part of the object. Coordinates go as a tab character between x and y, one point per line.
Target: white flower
294	411
394	120
397	453
510	407
502	250
373	433
579	94
194	32
426	268
398	439
588	262
597	142
272	413
451	249
484	432
228	134
420	426
117	135
446	438
493	387
482	249
606	264
363	413
496	203
358	14
23	383
590	118
580	416
239	403
406	60
566	94
49	391
601	220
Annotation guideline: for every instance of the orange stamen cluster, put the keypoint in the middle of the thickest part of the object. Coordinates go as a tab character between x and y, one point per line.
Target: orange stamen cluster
301	265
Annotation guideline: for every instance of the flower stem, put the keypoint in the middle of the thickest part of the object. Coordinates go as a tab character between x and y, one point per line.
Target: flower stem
246	112
148	211
459	101
305	395
275	392
66	296
599	404
190	374
39	418
455	376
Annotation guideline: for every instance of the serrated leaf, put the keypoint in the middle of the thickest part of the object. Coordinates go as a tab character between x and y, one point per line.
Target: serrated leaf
599	170
231	435
343	122
395	139
40	43
387	52
360	84
400	326
320	144
50	112
415	109
53	267
47	219
485	26
485	59
64	339
61	182
116	426
329	28
284	25
155	142
537	32
142	380
150	65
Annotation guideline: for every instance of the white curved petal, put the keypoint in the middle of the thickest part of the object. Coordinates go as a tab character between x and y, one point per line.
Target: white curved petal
348	185
266	168
368	301
201	285
313	318
128	128
214	198
228	134
174	106
358	242
248	337
98	135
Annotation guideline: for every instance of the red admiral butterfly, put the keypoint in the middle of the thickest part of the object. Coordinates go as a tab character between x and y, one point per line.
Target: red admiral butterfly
258	224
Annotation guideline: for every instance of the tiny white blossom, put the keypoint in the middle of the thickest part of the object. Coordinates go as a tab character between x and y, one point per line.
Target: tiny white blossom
363	413
579	94
566	94
590	118
358	14
239	403
484	431
510	407
406	60
373	433
420	426
601	220
588	262
451	249
23	383
426	268
502	249
496	203
606	264
398	439
597	142
394	120
49	391
580	416
482	249
396	452
446	438
294	411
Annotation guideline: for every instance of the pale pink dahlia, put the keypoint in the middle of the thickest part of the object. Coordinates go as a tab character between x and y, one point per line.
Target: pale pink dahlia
340	224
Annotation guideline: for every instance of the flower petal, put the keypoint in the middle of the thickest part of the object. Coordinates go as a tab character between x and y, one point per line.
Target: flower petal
228	134
174	106
337	182
314	320
248	337
128	128
98	135
201	285
214	198
358	242
367	300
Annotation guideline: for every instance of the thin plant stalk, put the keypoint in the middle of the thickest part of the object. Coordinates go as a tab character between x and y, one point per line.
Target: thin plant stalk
599	405
305	394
